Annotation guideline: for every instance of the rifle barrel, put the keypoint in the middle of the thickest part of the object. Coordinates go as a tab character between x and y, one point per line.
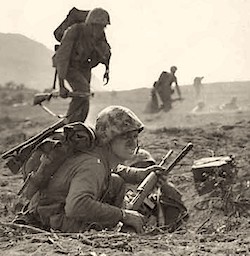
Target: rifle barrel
37	138
184	151
163	161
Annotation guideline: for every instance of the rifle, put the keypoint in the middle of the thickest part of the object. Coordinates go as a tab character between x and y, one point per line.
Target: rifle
149	183
20	153
41	97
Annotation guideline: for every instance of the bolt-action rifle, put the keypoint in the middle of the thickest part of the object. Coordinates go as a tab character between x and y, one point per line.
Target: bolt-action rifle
41	97
20	153
141	199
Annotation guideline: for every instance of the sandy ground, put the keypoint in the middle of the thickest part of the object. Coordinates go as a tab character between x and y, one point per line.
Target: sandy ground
210	230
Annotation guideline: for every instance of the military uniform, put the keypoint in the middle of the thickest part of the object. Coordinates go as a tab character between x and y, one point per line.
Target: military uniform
164	89
84	193
78	53
198	87
88	189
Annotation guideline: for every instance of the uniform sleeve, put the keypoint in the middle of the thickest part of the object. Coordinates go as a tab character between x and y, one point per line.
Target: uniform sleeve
102	54
86	189
131	175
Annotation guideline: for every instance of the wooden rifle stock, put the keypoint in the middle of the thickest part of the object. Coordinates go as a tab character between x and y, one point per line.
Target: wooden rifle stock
21	152
148	184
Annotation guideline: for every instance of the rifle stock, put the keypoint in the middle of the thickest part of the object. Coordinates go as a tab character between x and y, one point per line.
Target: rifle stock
19	153
149	183
39	98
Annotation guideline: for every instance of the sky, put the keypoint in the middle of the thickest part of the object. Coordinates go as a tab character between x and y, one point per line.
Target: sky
207	38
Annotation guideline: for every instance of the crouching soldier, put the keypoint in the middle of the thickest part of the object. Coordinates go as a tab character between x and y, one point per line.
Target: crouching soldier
83	192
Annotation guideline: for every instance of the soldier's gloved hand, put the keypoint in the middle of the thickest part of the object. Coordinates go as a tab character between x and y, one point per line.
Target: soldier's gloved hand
63	92
106	77
133	219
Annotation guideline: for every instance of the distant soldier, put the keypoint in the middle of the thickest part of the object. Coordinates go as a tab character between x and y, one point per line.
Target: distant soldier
198	86
83	46
232	105
164	87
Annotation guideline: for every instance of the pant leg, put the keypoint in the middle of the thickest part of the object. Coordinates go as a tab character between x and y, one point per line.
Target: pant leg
80	82
165	96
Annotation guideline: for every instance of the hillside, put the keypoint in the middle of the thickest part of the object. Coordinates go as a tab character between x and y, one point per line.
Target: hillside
23	60
26	61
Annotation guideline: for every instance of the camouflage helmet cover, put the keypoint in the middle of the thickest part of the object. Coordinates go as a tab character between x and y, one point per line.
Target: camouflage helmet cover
116	120
85	132
98	16
142	156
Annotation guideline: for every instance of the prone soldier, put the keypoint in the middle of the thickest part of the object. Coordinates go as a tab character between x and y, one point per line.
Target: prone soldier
83	192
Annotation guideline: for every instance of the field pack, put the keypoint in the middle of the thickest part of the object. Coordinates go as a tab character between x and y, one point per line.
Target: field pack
74	16
51	153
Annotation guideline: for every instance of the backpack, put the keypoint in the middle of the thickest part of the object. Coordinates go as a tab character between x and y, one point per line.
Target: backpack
51	153
74	16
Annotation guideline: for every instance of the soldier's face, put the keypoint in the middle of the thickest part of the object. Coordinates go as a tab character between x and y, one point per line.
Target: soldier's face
123	146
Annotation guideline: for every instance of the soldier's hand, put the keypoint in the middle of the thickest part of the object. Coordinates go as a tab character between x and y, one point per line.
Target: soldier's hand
155	168
133	219
106	77
161	180
63	92
142	173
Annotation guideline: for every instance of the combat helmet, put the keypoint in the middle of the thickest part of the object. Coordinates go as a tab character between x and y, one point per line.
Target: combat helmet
79	134
114	121
141	159
173	69
98	16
